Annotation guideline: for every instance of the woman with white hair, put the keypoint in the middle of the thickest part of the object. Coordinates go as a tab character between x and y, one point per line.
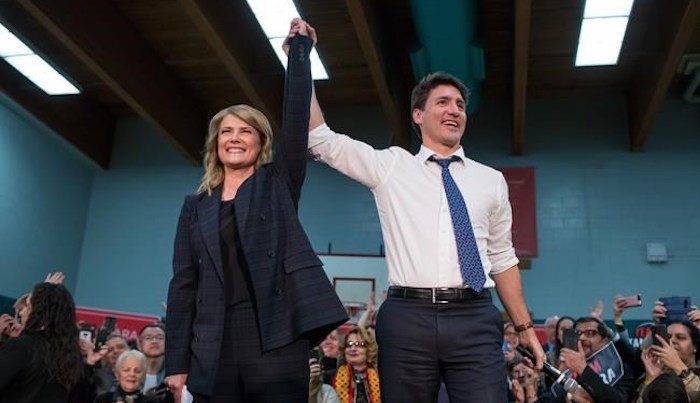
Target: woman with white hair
131	373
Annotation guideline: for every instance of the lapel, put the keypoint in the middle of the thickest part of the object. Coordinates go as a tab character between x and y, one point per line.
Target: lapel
208	217
244	196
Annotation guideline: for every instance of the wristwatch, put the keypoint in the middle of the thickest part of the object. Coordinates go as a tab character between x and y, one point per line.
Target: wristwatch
685	373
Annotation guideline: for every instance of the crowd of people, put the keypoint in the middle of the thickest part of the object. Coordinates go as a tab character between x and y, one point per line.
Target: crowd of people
43	359
603	364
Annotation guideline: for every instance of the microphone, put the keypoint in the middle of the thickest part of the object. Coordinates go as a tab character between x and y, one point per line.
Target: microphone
569	384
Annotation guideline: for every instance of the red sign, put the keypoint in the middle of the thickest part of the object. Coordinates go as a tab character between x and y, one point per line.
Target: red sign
127	324
521	189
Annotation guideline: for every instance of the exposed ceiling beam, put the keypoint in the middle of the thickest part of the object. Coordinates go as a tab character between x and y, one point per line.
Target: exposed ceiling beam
112	48
523	11
646	94
364	20
232	31
82	123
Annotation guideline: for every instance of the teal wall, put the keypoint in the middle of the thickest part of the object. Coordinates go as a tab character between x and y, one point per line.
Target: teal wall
45	188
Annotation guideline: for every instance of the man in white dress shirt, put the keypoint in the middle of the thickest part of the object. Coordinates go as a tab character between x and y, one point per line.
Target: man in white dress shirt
434	326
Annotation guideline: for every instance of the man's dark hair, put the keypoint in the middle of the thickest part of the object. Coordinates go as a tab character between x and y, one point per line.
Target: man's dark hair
422	90
602	329
152	325
666	388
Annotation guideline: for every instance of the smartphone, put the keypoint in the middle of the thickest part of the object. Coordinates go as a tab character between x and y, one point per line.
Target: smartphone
658	330
104	332
570	339
677	308
632	301
315	354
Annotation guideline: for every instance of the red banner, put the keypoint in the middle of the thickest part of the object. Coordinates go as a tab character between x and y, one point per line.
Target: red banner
127	324
521	188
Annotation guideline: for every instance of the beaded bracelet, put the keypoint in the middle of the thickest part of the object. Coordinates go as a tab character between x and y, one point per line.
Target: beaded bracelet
523	327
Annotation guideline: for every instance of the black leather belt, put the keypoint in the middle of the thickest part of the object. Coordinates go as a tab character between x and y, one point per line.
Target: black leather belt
439	295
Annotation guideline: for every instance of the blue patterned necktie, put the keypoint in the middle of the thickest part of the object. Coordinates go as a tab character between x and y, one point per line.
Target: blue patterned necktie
467	251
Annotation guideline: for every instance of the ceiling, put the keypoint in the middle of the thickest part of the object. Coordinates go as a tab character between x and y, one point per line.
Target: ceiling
176	63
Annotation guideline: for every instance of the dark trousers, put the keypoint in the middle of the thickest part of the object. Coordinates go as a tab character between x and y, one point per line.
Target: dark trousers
458	343
246	375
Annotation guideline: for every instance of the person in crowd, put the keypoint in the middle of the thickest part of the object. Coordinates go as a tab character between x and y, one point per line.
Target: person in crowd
564	323
319	391
594	336
131	373
249	296
510	341
357	379
524	382
550	325
106	374
666	388
677	356
44	363
439	250
330	346
151	343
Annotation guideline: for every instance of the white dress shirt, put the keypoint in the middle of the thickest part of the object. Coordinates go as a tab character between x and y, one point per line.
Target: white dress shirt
413	209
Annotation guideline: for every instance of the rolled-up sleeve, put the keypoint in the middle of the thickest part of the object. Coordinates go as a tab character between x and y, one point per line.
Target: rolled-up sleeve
500	244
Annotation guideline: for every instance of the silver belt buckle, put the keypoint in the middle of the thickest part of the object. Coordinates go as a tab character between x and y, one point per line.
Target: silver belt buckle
433	291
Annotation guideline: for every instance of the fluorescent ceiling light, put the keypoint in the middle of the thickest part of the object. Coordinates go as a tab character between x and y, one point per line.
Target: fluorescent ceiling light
32	66
274	17
602	32
607	8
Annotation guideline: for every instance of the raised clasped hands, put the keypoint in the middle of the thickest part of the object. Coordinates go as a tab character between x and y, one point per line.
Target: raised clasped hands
301	27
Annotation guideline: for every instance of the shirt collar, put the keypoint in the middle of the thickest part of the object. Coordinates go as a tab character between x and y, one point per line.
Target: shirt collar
424	153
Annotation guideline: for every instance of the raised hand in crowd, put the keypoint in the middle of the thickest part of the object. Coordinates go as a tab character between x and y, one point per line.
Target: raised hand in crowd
652	364
524	381
55	278
667	355
314	368
10	326
694	316
597	310
92	357
658	312
618	307
574	360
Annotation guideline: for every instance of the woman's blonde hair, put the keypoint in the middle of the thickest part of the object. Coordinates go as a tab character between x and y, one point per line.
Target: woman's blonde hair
370	344
213	168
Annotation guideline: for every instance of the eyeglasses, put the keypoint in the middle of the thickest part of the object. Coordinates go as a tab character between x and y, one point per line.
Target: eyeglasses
358	344
588	333
158	337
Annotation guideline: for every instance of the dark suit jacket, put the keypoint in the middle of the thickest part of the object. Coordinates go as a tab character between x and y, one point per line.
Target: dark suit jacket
293	297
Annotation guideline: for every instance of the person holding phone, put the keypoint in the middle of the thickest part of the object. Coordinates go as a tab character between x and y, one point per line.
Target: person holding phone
319	391
249	296
678	355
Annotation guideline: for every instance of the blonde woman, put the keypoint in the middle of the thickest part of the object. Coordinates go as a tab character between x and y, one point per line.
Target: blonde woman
243	300
357	379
